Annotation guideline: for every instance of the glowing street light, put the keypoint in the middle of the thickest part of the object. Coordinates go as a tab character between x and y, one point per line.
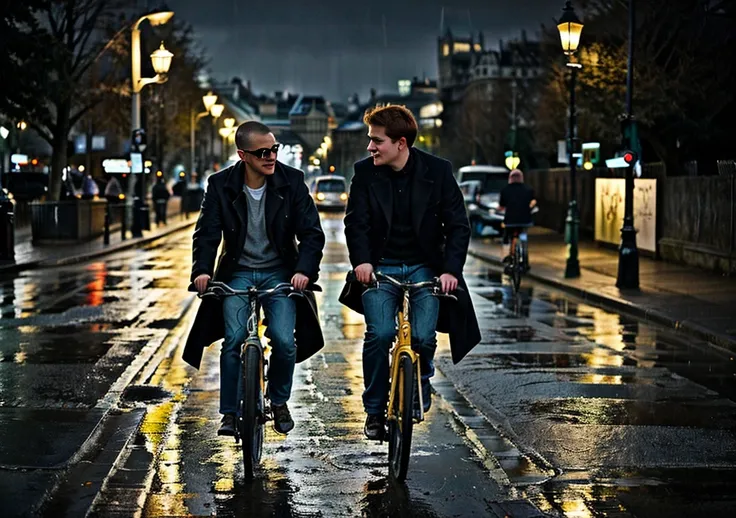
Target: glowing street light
570	28
161	60
216	110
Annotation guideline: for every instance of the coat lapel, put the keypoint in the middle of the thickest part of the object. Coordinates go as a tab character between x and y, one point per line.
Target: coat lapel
274	196
384	194
421	189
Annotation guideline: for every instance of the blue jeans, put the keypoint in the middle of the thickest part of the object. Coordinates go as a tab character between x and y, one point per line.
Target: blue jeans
381	306
281	314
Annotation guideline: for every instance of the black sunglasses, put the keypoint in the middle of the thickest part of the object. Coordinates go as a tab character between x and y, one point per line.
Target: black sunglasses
263	152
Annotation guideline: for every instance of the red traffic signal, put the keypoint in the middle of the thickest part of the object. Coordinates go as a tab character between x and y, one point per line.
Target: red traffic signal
629	157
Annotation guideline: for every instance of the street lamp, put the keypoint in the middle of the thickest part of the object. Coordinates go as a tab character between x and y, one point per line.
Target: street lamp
209	100
570	28
225	133
628	252
161	60
216	110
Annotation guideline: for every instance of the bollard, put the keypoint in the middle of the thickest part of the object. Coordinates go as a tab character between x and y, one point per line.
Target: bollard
123	222
7	228
106	239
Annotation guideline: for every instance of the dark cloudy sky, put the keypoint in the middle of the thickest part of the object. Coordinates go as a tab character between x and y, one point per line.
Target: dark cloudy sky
337	47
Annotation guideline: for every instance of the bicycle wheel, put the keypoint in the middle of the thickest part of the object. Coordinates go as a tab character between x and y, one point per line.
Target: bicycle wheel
400	429
252	410
516	268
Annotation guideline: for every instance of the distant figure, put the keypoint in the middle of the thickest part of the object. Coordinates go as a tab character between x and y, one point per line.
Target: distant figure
113	190
516	202
89	187
160	194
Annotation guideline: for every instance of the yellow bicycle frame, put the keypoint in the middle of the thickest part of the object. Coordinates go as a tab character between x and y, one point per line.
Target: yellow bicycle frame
403	346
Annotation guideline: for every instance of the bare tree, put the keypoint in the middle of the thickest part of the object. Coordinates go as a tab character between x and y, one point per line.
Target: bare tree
683	76
76	33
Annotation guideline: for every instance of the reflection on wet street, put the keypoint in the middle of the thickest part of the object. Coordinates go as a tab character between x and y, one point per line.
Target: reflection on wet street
324	467
68	335
625	412
578	411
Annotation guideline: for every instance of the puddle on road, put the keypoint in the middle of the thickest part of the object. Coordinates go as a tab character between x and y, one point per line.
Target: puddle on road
58	345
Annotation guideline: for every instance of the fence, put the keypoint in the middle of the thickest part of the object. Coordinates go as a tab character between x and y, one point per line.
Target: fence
695	214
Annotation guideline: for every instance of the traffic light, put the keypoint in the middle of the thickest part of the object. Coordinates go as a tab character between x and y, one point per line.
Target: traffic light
629	157
138	141
591	154
512	160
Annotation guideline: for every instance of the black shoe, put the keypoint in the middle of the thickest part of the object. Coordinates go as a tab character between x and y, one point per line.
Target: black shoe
375	427
426	399
282	421
227	426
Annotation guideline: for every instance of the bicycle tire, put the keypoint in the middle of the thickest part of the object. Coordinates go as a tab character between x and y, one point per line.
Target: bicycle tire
400	429
516	269
251	423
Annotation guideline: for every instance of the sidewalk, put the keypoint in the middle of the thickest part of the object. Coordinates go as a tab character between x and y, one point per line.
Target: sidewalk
696	301
28	255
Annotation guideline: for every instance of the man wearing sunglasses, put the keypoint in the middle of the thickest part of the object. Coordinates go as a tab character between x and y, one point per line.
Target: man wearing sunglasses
261	208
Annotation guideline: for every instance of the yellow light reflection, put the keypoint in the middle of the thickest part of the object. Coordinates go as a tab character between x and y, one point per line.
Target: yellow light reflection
600	357
601	379
154	424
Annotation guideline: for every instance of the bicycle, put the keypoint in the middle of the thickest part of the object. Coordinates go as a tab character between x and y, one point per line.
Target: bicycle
404	377
254	409
519	258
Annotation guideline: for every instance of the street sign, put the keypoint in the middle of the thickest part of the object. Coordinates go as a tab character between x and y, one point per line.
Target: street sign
136	163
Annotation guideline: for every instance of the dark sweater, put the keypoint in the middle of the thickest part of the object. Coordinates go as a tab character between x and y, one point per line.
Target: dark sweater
402	246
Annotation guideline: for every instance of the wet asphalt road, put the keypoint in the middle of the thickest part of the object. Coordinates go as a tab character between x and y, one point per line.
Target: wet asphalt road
581	411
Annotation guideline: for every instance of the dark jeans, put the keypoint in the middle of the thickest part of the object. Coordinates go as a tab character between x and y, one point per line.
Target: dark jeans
381	307
280	312
160	207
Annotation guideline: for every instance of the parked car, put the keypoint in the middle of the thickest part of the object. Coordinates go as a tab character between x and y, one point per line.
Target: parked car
329	192
481	186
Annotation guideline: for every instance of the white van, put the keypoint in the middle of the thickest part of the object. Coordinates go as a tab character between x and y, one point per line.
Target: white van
481	186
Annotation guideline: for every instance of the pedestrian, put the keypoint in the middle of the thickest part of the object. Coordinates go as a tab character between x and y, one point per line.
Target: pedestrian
262	208
160	195
405	218
90	189
113	190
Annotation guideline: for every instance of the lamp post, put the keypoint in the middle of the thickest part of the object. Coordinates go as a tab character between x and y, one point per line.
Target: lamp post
227	132
209	101
7	208
216	110
161	60
570	28
628	253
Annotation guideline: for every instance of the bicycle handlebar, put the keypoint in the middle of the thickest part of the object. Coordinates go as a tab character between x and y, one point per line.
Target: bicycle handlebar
220	289
433	284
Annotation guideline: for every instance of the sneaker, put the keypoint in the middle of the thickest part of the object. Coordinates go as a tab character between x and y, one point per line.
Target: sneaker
282	421
375	427
227	425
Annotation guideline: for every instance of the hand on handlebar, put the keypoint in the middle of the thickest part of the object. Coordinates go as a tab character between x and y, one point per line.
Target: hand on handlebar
364	273
201	282
299	281
448	282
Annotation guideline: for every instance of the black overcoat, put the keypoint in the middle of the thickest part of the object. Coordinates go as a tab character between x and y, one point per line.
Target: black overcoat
290	215
441	226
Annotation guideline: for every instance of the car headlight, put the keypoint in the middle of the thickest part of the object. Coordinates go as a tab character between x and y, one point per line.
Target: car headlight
472	206
344	196
320	196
